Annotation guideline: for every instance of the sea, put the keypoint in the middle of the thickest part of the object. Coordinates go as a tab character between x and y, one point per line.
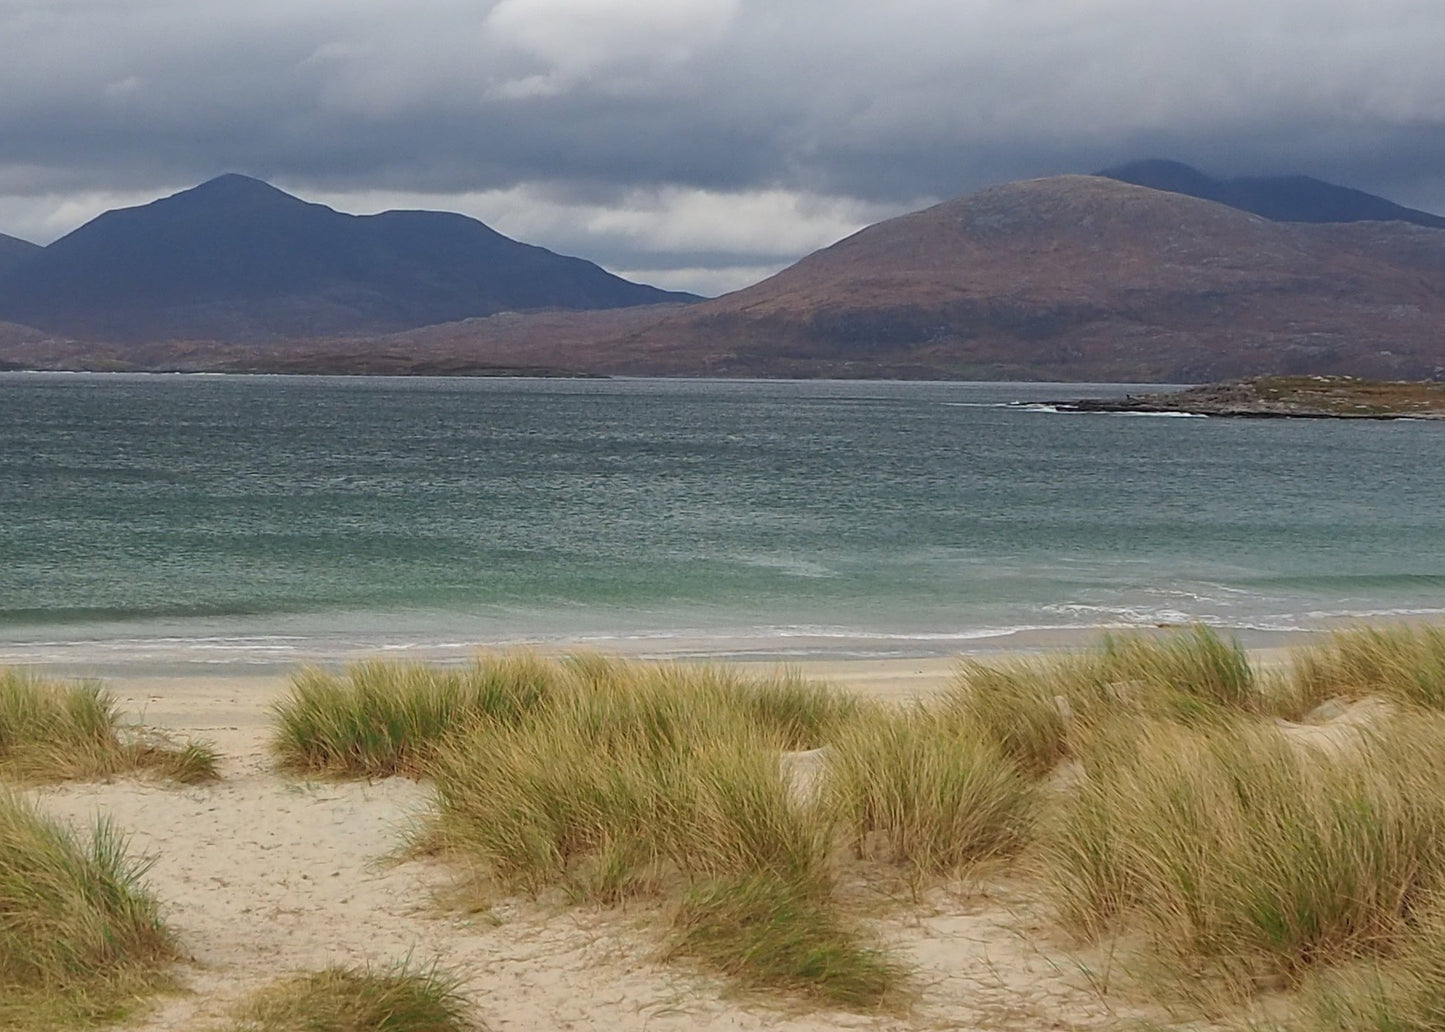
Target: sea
156	522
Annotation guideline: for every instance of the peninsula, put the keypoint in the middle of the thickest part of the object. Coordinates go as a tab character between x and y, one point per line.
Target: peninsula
1285	397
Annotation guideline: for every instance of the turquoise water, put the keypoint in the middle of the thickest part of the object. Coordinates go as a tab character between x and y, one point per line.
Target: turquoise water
264	519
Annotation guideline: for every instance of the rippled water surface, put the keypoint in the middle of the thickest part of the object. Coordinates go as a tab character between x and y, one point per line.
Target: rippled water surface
259	518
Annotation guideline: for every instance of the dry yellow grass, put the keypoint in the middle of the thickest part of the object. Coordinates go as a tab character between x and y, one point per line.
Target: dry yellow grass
80	940
59	731
343	999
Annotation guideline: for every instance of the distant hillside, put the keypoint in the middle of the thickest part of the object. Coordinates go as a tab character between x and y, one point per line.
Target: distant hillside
237	259
1069	278
1075	278
1282	198
13	251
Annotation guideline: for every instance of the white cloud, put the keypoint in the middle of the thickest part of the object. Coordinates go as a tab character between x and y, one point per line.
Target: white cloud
655	235
709	282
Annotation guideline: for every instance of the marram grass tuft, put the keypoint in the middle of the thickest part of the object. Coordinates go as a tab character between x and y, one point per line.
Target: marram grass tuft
81	941
349	999
59	731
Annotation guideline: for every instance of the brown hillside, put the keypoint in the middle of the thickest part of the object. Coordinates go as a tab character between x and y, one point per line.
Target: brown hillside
1077	277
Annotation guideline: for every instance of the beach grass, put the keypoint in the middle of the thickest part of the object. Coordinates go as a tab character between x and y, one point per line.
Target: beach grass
667	782
609	795
1040	711
768	932
1402	993
81	940
58	731
360	999
912	787
1249	855
1405	664
379	719
1246	852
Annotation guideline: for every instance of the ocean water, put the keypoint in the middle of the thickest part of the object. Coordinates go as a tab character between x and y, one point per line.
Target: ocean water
272	520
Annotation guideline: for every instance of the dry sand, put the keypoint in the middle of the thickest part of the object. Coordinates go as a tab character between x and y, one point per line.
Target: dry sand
263	875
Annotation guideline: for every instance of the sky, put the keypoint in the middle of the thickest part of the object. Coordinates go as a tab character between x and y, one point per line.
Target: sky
699	144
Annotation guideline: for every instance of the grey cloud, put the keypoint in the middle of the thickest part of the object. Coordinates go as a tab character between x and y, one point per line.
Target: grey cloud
888	104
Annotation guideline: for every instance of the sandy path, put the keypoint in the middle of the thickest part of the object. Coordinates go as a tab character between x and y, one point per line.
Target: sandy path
262	875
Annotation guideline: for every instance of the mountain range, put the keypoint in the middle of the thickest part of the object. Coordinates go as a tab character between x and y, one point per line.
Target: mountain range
238	259
1066	278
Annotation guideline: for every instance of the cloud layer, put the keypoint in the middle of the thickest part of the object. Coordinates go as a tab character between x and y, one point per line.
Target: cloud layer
688	138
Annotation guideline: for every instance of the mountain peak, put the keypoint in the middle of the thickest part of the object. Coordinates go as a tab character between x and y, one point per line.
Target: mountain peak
1293	198
234	188
237	259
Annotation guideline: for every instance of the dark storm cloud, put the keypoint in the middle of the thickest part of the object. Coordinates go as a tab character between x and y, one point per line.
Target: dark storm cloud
593	103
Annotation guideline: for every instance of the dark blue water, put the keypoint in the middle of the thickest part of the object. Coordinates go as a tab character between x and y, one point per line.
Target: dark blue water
268	516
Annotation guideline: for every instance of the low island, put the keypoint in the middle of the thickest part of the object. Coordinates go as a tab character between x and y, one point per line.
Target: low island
1285	397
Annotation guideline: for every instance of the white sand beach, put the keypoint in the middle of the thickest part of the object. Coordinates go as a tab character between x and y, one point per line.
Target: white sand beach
263	875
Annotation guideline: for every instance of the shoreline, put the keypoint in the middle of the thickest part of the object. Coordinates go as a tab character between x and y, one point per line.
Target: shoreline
231	706
251	657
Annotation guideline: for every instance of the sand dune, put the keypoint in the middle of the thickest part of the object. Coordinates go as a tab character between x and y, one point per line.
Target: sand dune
262	875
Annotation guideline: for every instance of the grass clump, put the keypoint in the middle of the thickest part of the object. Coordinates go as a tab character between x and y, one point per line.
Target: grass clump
665	782
608	798
1404	993
80	939
381	719
343	999
1246	854
667	699
917	789
1405	664
768	932
54	731
1041	711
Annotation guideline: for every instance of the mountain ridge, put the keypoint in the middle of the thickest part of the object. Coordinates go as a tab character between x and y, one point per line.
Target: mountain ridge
1072	278
1291	198
1063	278
13	251
236	258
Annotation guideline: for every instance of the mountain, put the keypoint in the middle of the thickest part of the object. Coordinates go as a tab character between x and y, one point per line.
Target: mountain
1068	278
237	259
13	251
1074	278
1281	198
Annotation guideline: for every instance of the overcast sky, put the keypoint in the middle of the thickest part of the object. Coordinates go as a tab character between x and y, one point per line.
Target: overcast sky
699	144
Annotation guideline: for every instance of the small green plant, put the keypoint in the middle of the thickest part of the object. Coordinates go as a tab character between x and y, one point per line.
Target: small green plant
343	999
56	731
80	940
